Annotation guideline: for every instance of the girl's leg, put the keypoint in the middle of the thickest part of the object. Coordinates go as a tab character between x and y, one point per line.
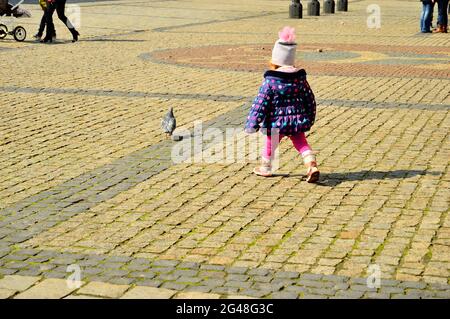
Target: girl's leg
302	146
300	143
271	145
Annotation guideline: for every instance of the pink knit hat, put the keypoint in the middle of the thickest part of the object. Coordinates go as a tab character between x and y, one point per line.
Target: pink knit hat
283	52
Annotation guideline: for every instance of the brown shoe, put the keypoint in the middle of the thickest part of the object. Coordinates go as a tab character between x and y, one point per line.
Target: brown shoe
312	174
440	29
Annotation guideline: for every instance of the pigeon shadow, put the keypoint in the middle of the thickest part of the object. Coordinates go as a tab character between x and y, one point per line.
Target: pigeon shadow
334	179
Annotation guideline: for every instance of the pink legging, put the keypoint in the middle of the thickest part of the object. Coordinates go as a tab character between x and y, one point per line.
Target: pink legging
299	141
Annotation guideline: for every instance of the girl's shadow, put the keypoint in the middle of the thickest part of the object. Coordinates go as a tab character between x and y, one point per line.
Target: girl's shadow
334	179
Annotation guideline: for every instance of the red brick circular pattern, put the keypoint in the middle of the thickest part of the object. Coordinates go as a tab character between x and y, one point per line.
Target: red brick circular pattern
343	59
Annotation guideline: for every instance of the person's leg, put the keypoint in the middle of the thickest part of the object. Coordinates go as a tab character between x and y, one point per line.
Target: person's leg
265	169
60	10
40	32
271	146
302	146
49	22
445	14
442	16
428	13
300	143
440	4
423	17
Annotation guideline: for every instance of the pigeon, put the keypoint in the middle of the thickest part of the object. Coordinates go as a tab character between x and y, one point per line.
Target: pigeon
169	123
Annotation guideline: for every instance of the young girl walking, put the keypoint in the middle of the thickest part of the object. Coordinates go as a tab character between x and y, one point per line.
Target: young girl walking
284	106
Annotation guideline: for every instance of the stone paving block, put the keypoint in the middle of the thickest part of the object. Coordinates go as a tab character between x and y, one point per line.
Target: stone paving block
81	297
122	280
316	284
311	277
335	278
237	270
189	280
17	283
226	290
287	274
198	288
442	294
365	288
350	294
173	285
165	263
237	277
322	291
105	290
188	265
415	285
375	295
196	295
284	295
47	289
213	282
7	293
259	272
238	284
151	283
211	274
185	273
391	290
239	297
29	272
402	296
262	278
140	292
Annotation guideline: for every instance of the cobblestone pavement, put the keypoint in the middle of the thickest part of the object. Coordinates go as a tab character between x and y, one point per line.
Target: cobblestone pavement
88	178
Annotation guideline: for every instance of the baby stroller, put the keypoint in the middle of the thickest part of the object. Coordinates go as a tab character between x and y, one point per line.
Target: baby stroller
13	11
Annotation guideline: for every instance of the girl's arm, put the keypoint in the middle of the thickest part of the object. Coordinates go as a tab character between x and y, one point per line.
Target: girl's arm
260	108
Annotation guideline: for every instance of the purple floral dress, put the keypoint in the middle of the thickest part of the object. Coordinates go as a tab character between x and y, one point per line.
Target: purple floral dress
285	102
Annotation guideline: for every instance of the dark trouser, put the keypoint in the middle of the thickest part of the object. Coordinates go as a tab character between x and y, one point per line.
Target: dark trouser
442	12
43	24
60	7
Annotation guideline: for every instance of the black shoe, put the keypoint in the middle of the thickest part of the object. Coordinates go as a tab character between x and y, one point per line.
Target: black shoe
75	35
47	40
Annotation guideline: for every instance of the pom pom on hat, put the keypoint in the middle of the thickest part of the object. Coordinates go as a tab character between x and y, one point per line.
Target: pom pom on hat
283	53
287	35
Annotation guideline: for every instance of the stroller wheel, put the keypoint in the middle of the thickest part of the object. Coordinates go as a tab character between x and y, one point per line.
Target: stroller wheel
20	34
3	31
